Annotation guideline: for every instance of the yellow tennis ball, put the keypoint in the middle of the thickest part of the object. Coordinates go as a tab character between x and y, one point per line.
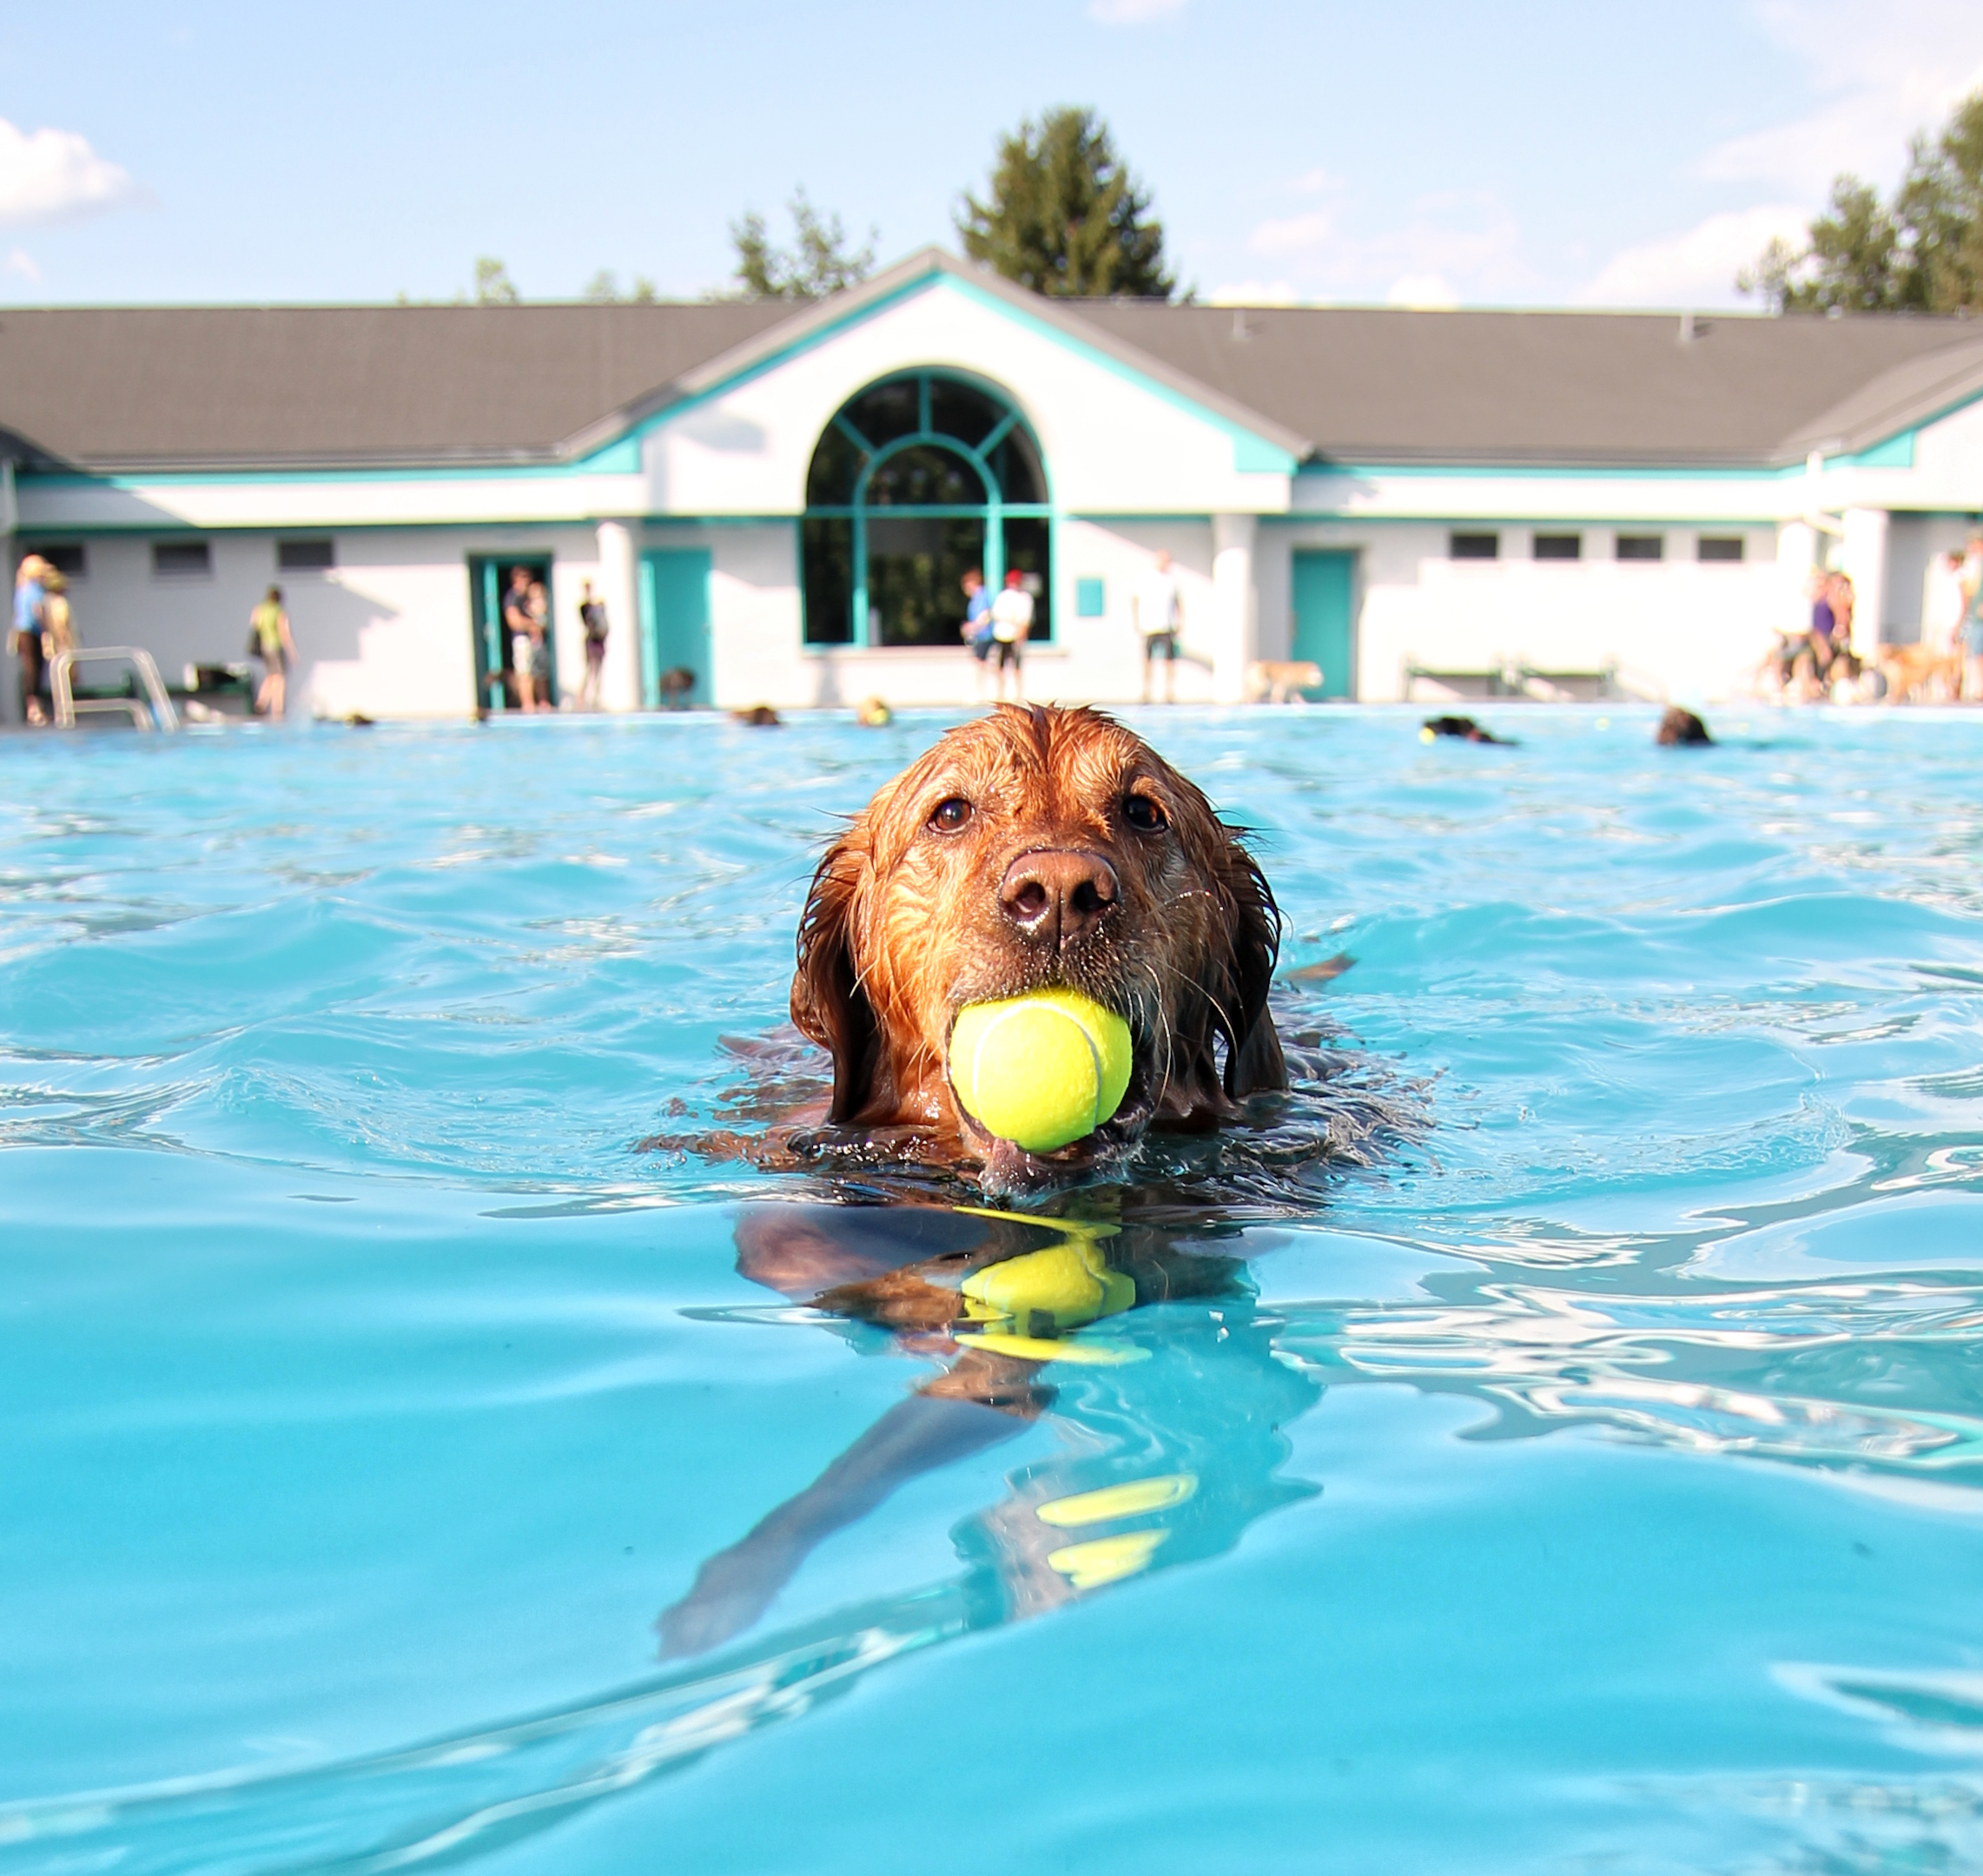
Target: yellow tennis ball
1041	1071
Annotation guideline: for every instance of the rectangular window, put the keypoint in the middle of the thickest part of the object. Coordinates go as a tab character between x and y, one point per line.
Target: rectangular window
1559	547
826	549
1475	546
182	559
1723	547
1641	546
67	557
1091	598
304	557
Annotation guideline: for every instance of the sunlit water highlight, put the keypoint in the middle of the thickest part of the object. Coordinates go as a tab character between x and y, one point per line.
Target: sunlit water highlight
1595	1481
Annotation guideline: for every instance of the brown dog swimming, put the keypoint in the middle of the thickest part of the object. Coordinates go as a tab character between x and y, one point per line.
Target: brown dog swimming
1035	849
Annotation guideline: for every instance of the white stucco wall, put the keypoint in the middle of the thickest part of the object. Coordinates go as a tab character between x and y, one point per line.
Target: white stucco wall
1676	628
1112	444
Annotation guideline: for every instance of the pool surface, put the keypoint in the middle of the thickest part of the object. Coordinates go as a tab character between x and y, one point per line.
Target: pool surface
1589	1476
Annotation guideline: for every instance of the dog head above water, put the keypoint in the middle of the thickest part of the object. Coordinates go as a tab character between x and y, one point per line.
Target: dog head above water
1030	849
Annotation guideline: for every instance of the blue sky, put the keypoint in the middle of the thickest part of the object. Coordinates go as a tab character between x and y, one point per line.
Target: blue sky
1538	153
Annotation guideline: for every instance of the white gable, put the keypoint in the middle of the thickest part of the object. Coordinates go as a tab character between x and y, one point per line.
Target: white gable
1115	442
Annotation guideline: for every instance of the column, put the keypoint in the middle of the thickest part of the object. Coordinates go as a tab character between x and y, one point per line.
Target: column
1235	605
1796	554
1864	559
619	683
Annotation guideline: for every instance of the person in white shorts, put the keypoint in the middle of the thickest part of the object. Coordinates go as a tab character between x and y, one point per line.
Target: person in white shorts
1160	617
1012	619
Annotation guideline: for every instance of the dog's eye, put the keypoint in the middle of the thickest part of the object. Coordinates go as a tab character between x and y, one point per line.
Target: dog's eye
951	817
1144	814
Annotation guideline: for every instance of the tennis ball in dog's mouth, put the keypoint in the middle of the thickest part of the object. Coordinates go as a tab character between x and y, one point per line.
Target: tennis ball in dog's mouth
1041	1070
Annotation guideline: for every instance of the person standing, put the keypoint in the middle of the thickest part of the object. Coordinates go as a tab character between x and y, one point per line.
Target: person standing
25	638
1973	621
516	623
537	611
58	623
593	617
1012	619
268	632
1158	612
977	630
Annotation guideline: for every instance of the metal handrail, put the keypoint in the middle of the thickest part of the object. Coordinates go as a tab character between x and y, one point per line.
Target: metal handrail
67	709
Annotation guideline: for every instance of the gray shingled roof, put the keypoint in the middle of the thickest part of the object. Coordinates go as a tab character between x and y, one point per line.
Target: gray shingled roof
1382	385
132	386
136	387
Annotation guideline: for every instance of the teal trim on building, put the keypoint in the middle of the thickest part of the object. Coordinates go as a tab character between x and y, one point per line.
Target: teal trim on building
1896	452
1091	598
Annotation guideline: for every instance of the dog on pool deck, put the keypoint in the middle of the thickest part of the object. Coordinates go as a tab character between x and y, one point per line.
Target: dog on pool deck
1038	848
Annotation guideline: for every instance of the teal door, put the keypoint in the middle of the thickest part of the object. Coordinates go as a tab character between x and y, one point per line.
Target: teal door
1324	622
674	625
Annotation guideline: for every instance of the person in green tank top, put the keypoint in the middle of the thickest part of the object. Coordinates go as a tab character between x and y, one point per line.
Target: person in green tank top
269	639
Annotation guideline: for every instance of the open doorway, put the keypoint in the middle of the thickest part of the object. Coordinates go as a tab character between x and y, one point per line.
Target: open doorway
490	580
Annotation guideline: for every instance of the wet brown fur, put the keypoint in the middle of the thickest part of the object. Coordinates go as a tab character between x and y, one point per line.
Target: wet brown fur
904	925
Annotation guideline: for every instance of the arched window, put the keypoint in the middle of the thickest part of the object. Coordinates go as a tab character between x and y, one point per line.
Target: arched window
918	479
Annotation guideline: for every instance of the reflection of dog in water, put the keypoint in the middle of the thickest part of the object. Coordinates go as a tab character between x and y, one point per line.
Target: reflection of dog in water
1037	849
1171	1441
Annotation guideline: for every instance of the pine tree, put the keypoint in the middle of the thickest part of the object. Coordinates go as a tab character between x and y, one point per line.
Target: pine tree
1922	252
1064	215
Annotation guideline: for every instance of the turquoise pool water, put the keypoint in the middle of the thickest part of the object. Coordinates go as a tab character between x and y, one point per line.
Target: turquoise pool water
1594	1481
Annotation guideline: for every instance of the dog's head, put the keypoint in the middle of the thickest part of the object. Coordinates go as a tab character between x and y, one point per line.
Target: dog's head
1033	848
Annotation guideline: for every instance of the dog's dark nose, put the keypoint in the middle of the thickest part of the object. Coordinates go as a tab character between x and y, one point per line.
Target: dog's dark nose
1057	894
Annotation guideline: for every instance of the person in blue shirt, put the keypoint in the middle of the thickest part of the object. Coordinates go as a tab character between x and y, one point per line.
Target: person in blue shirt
977	630
25	639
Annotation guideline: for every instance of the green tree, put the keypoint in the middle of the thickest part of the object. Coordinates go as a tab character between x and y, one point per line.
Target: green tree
1923	251
1064	215
492	284
1941	202
603	290
819	262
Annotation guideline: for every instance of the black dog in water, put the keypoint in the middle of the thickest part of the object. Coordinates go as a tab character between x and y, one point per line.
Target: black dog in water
1681	729
1463	729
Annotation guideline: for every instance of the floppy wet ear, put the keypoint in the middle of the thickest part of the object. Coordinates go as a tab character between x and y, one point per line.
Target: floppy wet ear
1253	1059
829	1005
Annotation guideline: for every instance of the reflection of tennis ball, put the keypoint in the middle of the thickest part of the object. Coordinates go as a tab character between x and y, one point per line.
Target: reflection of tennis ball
1041	1071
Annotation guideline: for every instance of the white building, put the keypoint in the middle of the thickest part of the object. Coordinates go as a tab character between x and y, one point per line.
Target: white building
782	501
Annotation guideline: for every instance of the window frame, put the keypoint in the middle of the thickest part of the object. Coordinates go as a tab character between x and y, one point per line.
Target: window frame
1491	536
286	544
203	570
995	512
1656	542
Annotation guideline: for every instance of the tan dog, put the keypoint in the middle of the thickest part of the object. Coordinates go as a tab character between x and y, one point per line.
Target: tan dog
1908	669
1278	683
1028	849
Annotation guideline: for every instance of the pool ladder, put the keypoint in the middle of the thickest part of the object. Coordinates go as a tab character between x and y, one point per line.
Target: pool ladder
161	716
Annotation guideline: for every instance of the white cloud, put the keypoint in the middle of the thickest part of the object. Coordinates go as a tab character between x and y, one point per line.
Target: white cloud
1423	292
54	175
1293	234
21	263
1131	12
1255	292
1882	74
1696	268
1447	246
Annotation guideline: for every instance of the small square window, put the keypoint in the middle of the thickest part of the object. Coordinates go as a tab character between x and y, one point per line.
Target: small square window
1559	547
1475	547
1724	547
1091	598
1641	546
67	557
182	559
304	556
